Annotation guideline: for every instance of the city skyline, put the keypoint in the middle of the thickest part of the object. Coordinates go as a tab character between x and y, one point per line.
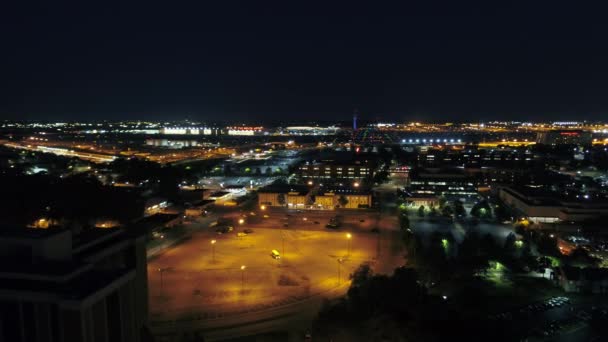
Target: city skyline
298	171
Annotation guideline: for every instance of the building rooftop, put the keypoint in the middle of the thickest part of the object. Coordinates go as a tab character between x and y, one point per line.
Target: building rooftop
285	188
28	233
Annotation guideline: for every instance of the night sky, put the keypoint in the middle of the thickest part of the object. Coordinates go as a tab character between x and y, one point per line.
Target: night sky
303	60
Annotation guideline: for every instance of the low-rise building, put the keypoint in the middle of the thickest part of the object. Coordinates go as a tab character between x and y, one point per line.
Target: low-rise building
564	137
583	280
427	201
335	171
450	183
544	206
299	197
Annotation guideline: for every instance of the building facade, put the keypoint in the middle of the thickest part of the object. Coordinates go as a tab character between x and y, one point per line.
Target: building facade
336	171
545	207
90	287
564	137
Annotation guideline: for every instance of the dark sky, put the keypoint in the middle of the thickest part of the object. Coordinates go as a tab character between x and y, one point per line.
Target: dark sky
261	60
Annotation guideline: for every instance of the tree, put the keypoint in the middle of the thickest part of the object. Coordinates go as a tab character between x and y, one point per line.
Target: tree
442	201
282	199
434	256
509	246
421	211
489	247
501	213
579	257
447	211
310	200
361	275
459	210
268	171
343	201
481	210
470	253
227	170
404	222
433	211
547	245
258	171
381	177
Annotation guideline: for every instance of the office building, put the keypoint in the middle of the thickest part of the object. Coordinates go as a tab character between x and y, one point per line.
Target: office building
58	286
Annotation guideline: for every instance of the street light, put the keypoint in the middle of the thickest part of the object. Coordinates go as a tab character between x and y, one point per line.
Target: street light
356	184
241	221
340	260
162	270
213	250
348	237
263	207
283	242
243	276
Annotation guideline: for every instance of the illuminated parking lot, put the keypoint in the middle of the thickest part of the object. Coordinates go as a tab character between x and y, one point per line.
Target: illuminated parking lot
238	274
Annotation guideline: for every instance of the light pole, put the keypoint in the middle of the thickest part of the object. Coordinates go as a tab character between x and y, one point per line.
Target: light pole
162	270
339	263
283	242
348	237
213	250
243	277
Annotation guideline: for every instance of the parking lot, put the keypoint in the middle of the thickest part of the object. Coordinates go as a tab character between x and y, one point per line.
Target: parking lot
553	319
237	274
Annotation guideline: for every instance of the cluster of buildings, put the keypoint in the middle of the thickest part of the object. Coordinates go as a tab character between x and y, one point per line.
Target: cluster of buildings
336	180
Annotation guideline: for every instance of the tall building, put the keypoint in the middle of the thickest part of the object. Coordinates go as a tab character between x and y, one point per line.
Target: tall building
57	286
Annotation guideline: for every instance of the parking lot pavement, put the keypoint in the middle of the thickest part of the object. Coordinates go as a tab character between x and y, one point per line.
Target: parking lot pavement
357	221
207	278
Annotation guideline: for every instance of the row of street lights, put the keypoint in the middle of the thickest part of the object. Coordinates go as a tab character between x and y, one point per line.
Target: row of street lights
213	242
349	237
